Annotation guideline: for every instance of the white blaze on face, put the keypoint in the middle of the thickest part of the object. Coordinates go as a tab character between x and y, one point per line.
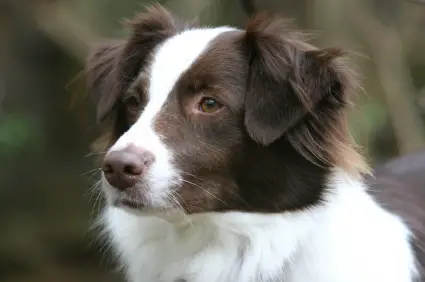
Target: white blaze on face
170	60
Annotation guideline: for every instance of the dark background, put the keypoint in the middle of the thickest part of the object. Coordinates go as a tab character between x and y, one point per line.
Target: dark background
46	124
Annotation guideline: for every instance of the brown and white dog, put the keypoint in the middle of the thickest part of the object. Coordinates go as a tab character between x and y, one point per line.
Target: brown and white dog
230	159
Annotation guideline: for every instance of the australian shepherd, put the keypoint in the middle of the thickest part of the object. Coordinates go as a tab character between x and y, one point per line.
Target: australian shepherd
229	158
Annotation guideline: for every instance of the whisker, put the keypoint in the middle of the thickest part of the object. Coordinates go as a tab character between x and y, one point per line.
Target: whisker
205	190
90	171
94	173
95	154
190	174
96	205
92	189
240	198
194	184
180	209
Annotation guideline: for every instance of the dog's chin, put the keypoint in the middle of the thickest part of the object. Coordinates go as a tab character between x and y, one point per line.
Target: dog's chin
167	212
137	206
130	206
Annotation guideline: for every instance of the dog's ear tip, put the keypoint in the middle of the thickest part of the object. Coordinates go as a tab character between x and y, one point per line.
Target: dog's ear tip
154	18
268	23
101	76
262	134
326	55
262	137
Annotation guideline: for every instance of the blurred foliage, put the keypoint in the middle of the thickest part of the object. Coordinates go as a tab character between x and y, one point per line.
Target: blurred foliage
15	132
46	125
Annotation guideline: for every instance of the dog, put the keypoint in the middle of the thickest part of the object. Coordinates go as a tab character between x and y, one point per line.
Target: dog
399	186
229	158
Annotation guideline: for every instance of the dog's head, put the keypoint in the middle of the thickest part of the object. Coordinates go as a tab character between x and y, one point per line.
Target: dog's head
216	119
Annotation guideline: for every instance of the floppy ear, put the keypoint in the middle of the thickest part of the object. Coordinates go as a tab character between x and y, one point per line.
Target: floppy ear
113	66
103	77
287	79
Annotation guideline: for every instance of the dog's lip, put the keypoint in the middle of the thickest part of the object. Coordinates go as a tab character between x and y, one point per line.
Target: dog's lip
129	203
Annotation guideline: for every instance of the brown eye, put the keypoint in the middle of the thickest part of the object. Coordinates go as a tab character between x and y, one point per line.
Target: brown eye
209	105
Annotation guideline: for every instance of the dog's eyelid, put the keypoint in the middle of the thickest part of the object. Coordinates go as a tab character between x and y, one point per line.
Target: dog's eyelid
216	96
131	96
132	100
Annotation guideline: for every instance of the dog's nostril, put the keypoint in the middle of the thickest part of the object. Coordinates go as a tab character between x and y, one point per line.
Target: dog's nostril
148	158
133	169
107	168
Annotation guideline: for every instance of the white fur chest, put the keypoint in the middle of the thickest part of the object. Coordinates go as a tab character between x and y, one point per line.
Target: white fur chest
349	239
213	248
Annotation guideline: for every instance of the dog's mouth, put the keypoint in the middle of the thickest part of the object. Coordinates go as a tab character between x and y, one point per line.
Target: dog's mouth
136	205
137	208
138	198
132	198
128	203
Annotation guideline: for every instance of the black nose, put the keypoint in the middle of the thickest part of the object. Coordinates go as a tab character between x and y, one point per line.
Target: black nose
123	168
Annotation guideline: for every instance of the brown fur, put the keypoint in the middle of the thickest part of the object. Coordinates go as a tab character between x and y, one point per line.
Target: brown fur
322	87
281	132
115	65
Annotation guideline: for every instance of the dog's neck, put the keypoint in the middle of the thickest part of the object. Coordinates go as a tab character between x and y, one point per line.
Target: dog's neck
249	247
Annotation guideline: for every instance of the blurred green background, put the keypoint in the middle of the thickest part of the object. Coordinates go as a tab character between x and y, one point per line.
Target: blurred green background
46	124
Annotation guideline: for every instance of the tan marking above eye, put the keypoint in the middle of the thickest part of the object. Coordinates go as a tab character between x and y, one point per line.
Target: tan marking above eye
209	105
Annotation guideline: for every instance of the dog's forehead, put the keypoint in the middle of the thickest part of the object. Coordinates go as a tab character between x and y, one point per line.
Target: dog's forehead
175	56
